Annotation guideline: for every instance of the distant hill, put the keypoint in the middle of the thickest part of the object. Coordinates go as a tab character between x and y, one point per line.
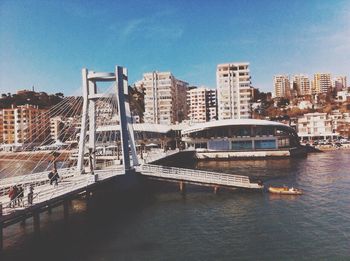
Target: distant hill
40	99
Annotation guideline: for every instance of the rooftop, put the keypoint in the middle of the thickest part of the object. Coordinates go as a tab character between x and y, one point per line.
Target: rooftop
221	123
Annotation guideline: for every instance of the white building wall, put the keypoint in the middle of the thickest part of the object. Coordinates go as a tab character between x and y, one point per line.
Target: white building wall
165	98
234	91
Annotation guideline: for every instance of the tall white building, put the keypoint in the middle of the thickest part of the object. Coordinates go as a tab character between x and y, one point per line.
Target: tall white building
281	86
202	105
321	83
302	84
165	98
234	91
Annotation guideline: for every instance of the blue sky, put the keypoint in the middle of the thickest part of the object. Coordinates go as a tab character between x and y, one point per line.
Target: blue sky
46	43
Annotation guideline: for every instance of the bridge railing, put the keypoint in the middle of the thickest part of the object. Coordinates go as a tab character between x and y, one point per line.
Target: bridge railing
207	177
34	178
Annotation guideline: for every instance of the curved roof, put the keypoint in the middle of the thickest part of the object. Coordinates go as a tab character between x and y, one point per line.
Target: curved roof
147	127
230	122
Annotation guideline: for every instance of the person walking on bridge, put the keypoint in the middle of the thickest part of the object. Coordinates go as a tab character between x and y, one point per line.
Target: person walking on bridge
30	195
12	196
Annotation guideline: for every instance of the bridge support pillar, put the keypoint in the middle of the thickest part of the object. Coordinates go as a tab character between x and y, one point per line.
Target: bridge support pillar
36	223
88	196
1	230
66	210
216	189
182	186
1	237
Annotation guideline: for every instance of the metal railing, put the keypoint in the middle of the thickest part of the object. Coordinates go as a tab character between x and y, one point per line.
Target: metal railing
45	192
200	176
34	179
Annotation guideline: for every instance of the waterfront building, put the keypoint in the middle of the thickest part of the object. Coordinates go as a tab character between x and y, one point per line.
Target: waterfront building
343	126
241	138
321	83
25	124
301	83
281	86
234	91
340	83
202	105
165	98
316	126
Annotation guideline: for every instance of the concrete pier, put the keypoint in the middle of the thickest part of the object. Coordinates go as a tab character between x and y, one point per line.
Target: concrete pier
36	222
66	209
1	230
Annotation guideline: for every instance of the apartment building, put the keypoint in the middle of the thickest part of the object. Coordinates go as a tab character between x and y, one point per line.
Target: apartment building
281	86
202	105
165	98
25	124
315	126
234	91
321	83
340	83
301	83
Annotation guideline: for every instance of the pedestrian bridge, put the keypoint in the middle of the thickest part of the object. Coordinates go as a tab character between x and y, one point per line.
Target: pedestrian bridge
73	182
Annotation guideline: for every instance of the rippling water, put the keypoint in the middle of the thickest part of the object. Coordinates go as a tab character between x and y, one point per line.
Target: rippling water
159	223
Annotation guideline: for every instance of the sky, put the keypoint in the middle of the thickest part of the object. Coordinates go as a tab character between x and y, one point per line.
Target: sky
46	43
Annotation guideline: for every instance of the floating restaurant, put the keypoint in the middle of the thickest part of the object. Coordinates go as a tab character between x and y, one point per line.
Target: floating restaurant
237	138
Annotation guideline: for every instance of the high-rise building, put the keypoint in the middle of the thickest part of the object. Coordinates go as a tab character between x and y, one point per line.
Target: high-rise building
202	105
234	91
165	98
281	85
301	83
340	83
321	83
25	124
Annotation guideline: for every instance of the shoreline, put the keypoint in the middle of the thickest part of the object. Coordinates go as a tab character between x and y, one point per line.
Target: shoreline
33	155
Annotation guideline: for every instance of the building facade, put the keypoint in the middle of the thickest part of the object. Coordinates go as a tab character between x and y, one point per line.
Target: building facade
165	98
281	85
321	83
233	138
301	83
202	105
25	124
234	91
316	126
340	83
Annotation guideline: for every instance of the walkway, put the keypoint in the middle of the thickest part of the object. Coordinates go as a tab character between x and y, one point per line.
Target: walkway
198	176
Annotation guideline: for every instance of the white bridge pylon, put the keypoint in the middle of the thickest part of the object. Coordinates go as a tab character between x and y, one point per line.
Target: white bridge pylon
90	95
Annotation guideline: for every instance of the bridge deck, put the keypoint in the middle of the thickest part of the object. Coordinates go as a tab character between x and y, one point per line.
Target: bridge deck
198	176
71	183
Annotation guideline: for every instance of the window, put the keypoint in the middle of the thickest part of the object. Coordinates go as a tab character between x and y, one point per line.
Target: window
242	145
265	144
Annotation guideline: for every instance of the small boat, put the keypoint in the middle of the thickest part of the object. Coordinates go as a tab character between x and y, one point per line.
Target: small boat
285	190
